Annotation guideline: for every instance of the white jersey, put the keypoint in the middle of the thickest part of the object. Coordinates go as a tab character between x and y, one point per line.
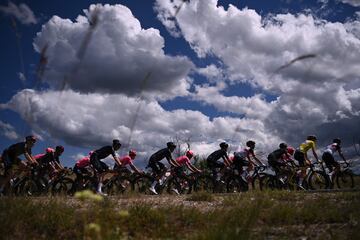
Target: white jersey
332	148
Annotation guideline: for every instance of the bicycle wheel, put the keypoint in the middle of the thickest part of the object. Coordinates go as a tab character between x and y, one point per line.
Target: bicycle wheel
236	184
204	183
142	184
345	180
62	186
119	185
28	187
268	183
317	180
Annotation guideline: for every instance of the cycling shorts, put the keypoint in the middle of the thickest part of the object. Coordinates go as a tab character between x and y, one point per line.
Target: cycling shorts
329	160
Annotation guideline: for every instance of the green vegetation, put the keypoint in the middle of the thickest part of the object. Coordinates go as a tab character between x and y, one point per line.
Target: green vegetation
276	215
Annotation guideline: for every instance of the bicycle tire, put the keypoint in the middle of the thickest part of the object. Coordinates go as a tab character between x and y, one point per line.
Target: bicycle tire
345	180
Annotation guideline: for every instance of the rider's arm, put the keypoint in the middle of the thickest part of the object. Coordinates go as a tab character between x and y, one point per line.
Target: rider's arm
315	154
30	158
226	160
257	160
116	159
58	165
192	168
172	162
341	155
134	168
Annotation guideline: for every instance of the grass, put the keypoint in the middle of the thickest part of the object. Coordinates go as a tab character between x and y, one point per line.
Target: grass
201	197
255	215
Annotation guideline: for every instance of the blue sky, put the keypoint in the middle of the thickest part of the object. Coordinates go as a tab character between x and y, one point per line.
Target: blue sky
269	105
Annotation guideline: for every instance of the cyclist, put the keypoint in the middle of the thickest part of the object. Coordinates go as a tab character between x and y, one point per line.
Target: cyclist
328	157
50	160
278	159
244	158
302	157
159	168
10	157
101	167
128	160
214	163
185	160
81	167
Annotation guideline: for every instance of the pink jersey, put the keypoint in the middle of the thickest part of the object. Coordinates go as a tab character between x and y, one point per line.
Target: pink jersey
126	160
39	156
83	162
183	160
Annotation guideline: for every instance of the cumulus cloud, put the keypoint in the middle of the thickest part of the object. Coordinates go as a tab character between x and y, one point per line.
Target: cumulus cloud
252	107
119	55
96	119
312	92
22	13
212	72
355	3
8	131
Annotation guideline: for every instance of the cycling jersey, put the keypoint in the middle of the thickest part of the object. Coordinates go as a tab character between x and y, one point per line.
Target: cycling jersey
126	160
182	160
104	152
332	148
160	155
213	157
307	145
84	162
18	149
277	154
46	158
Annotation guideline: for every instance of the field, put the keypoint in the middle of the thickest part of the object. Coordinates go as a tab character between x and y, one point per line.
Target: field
255	215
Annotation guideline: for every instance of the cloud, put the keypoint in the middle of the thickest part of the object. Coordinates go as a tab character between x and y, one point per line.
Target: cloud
8	131
212	72
119	56
96	119
22	13
255	107
313	93
355	3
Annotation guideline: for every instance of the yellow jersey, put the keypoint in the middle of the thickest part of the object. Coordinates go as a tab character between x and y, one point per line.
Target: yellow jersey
307	145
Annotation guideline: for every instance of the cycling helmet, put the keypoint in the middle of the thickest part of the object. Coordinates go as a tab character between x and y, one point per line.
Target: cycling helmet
291	150
59	149
250	143
337	140
223	145
132	153
170	145
282	145
116	142
189	154
30	138
311	138
49	150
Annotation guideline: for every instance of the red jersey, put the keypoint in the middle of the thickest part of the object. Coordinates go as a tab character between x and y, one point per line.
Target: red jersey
83	162
182	160
126	160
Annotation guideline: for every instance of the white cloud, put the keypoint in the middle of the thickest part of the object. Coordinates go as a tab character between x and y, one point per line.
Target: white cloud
8	131
119	55
355	3
212	72
314	92
96	119
22	13
252	107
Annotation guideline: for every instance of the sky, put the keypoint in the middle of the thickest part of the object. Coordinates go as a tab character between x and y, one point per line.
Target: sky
199	72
